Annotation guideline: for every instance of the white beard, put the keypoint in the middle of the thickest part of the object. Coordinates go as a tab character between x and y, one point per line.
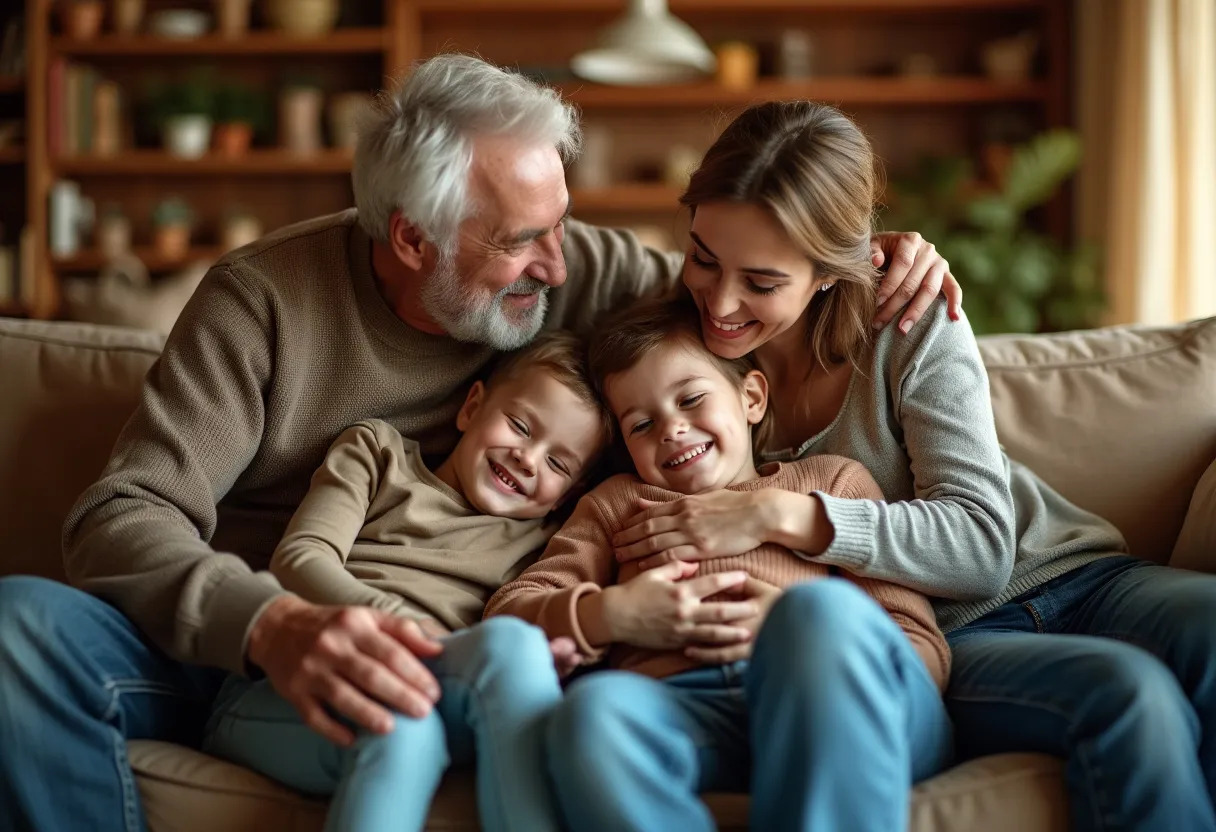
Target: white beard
478	317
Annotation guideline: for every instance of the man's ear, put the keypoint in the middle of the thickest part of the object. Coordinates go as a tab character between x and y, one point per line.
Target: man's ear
755	396
472	403
407	241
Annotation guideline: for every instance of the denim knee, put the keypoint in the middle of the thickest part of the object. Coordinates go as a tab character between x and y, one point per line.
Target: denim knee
504	642
1126	683
400	751
828	614
596	714
32	614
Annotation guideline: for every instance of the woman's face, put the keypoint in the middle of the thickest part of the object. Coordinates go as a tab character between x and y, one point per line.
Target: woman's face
750	282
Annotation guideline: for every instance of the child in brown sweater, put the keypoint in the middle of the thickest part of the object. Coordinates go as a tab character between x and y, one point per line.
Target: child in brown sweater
687	419
378	528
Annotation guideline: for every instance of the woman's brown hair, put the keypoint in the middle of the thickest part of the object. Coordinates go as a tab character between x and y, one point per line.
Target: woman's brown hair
813	169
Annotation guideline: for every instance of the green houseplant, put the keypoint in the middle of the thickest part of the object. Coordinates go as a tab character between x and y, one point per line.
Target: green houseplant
181	111
1015	279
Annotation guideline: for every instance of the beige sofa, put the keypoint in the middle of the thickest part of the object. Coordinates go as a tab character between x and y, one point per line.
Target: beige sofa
1122	421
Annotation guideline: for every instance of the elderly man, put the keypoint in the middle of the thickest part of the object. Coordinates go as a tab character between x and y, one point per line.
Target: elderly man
460	247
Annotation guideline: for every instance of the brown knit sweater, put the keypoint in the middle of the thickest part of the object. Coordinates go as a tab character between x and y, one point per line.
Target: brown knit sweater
579	560
286	343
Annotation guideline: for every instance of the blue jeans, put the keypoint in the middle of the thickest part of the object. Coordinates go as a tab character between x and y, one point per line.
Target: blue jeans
828	725
1132	712
77	680
498	684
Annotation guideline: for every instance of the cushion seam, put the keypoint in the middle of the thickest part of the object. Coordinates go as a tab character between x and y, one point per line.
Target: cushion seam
58	342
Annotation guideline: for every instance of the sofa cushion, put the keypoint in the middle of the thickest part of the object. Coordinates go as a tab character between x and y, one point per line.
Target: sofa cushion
69	389
1196	546
187	791
1121	421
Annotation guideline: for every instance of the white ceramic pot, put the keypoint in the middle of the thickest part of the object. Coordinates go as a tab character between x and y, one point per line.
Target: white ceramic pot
187	137
300	119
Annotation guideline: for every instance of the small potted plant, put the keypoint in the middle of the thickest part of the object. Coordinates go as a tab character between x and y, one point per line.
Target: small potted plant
239	114
172	220
81	19
182	112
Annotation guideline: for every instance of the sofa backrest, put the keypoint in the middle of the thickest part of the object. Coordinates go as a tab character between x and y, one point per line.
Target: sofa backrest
65	392
1121	421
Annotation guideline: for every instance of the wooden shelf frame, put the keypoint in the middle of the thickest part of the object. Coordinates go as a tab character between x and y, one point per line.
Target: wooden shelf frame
12	155
270	162
853	91
91	260
350	40
697	7
12	83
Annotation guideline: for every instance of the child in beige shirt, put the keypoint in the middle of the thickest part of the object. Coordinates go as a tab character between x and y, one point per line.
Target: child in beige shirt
378	528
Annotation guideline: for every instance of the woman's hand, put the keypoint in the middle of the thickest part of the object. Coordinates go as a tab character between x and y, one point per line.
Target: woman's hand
763	595
665	609
710	525
917	273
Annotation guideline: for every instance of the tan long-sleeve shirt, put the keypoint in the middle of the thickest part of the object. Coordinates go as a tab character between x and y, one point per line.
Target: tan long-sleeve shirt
579	560
379	529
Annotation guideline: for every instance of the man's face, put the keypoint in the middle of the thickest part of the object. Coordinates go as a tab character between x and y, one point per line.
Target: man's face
508	256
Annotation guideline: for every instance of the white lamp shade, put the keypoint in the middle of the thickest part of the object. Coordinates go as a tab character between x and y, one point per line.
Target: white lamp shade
647	46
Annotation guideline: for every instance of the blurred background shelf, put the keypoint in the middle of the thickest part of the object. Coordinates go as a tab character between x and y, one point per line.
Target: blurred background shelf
92	260
12	155
350	41
848	91
12	83
253	162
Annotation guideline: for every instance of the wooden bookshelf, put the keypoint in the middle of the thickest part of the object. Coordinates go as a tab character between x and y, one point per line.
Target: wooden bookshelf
688	7
12	155
90	260
351	41
626	198
159	163
12	309
12	83
849	91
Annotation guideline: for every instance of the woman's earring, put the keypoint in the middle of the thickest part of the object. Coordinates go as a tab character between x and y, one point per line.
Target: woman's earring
825	287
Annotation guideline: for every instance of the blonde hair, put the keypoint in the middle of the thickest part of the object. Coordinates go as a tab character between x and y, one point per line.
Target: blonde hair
813	169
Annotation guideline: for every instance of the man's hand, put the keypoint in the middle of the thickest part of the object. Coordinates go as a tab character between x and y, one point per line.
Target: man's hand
915	276
353	660
763	596
665	608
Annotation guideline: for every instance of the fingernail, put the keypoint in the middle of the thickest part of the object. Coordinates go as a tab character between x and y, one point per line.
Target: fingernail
385	726
877	324
904	326
882	299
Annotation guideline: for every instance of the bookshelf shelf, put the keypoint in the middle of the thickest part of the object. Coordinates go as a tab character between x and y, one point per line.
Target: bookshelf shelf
12	309
854	91
12	155
12	83
690	7
156	162
627	197
340	41
91	260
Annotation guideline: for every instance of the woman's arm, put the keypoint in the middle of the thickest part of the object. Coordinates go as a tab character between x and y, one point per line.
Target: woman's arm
310	559
956	537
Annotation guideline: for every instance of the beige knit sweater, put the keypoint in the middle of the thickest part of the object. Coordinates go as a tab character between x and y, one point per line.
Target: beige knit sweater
379	529
579	560
285	344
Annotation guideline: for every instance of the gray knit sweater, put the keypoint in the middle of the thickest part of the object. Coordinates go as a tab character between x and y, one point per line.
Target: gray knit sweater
962	522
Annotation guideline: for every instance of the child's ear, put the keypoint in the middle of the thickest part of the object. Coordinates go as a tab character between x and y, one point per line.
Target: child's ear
472	403
755	396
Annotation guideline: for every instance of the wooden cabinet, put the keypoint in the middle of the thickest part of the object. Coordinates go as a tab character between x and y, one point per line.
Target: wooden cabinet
863	52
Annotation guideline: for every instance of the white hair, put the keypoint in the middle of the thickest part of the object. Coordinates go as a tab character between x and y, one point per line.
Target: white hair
415	149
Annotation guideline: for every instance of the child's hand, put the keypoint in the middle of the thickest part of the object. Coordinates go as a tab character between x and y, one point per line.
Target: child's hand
565	656
763	595
665	608
710	525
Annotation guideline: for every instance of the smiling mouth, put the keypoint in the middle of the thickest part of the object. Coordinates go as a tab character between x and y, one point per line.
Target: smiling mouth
505	478
726	328
688	456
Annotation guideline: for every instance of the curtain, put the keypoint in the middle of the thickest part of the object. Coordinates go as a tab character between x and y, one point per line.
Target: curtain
1146	93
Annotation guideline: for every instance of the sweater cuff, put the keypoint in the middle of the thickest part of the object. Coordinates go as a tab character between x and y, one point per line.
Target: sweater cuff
576	632
235	603
854	523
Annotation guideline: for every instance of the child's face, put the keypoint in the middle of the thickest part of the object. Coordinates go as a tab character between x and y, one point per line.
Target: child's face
525	443
686	425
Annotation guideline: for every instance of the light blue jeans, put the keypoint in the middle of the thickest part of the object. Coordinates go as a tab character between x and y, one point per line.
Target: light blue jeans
829	725
1113	668
498	686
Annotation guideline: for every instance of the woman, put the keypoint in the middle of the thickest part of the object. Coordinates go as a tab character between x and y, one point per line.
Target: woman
777	266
